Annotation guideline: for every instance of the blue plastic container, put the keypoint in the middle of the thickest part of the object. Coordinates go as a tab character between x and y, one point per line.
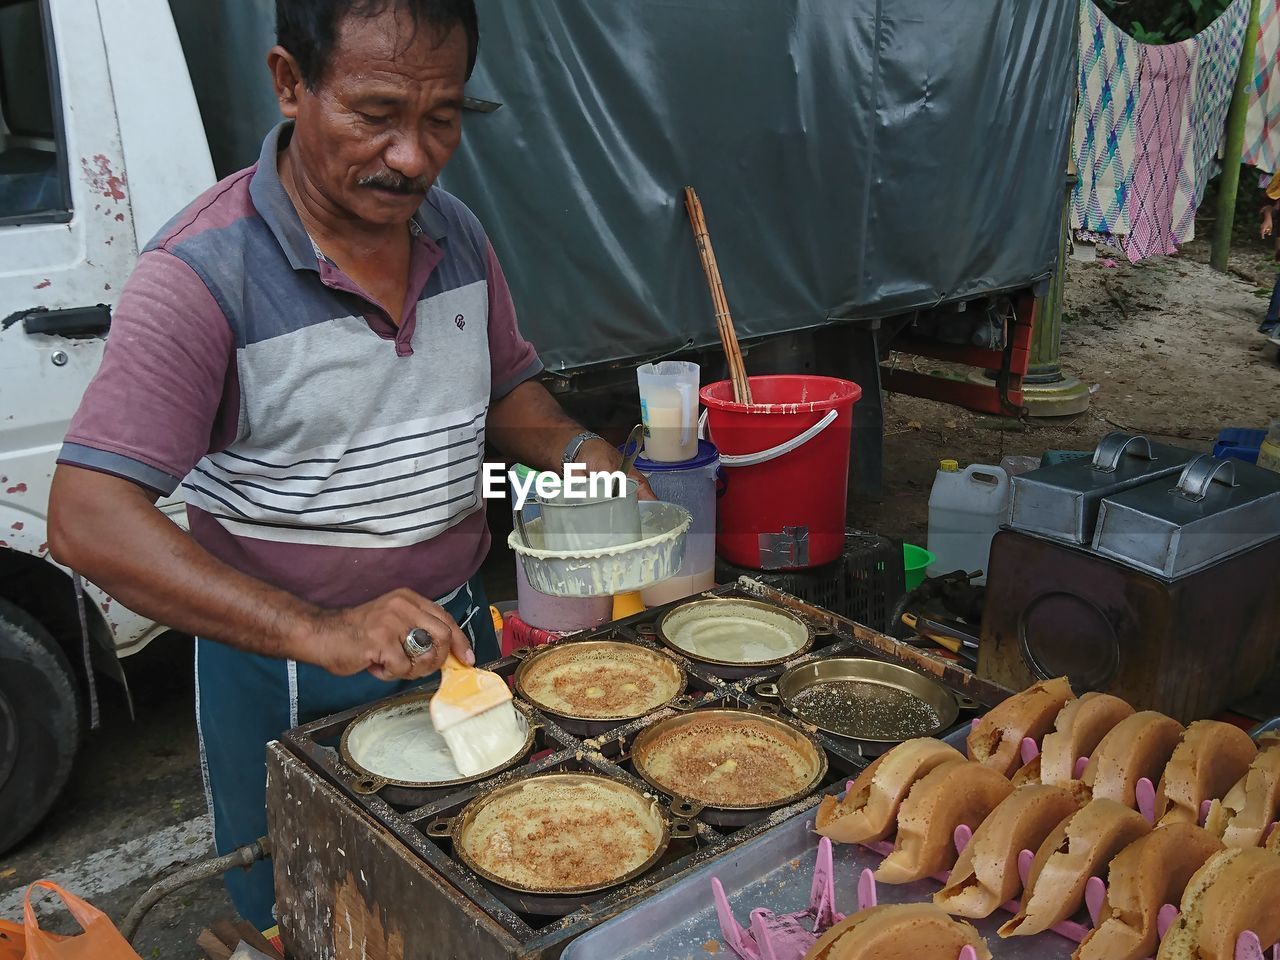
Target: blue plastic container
1240	443
692	485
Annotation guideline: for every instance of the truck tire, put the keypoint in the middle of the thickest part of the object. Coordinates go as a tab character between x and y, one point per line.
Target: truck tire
39	723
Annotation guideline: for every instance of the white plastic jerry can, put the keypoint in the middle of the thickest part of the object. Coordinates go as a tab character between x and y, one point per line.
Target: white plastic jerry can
966	508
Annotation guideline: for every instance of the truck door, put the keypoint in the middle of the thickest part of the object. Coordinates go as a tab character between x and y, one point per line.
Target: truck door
66	236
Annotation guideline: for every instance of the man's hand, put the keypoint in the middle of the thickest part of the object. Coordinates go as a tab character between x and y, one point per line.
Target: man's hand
599	456
371	637
1266	227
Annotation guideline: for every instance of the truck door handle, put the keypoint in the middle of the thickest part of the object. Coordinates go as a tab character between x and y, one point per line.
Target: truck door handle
71	322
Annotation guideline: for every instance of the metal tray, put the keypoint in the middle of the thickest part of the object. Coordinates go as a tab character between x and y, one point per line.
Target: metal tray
1270	726
773	870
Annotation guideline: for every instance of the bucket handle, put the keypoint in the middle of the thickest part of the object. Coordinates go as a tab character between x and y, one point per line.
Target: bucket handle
773	453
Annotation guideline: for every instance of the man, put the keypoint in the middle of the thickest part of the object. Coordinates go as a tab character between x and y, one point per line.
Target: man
320	345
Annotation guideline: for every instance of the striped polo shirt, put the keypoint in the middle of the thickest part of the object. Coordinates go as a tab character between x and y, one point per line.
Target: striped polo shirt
321	445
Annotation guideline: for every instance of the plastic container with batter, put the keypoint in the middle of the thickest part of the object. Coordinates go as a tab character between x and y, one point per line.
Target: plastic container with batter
692	485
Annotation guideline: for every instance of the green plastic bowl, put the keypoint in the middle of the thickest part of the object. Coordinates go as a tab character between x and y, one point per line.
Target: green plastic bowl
915	561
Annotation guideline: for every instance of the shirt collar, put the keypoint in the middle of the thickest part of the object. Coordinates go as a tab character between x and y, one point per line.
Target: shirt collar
277	210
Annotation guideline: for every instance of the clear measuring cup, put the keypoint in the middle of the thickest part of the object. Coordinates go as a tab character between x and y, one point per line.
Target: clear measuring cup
669	409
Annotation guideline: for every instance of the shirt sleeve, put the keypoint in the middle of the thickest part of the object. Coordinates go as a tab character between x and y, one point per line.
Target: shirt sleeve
167	392
512	358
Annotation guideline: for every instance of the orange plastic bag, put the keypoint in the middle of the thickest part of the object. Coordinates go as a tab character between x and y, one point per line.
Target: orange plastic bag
100	940
13	941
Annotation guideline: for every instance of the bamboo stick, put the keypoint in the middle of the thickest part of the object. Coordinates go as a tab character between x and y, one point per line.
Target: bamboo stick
724	320
1237	118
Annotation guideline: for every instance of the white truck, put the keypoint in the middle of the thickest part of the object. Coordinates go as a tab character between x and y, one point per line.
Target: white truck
101	142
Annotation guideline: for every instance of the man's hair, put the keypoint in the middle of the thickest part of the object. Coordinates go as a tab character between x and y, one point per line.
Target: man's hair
308	29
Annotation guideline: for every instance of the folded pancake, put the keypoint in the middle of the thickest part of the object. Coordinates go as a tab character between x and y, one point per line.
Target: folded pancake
1235	891
1028	773
1209	760
1138	746
869	810
1144	876
900	931
1241	818
1079	848
1077	731
953	793
996	739
986	875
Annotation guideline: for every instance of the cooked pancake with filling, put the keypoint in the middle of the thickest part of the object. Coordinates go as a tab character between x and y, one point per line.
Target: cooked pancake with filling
563	832
601	681
730	761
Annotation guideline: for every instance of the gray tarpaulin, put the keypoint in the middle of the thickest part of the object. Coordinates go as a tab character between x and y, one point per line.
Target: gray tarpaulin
854	158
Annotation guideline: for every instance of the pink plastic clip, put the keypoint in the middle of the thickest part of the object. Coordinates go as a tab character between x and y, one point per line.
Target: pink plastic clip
1081	764
1204	812
1029	749
867	897
1145	792
1266	834
1095	893
785	936
1025	859
962	836
1249	947
1164	919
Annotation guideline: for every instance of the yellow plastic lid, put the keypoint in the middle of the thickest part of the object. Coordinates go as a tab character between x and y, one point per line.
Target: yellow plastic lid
949	466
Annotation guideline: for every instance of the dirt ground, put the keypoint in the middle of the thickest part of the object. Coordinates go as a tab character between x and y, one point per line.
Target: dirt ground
1170	344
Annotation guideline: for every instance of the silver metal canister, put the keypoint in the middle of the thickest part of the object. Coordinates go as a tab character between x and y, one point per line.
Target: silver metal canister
1061	502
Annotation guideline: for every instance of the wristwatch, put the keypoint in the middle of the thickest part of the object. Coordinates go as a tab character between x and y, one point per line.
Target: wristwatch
574	446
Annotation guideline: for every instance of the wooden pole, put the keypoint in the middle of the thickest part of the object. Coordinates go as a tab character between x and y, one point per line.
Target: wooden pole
1229	185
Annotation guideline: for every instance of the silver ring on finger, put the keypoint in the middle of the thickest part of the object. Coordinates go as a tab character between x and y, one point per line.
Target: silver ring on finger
417	642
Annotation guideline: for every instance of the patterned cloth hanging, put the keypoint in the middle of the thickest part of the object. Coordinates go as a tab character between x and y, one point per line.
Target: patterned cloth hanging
1262	127
1163	82
1149	126
1104	146
1215	63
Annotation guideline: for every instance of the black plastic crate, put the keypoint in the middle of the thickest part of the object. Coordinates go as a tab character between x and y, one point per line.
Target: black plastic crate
863	585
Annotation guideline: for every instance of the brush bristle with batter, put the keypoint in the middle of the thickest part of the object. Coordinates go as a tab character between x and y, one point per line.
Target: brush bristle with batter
473	711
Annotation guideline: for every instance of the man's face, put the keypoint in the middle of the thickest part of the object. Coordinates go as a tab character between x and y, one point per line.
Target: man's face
385	118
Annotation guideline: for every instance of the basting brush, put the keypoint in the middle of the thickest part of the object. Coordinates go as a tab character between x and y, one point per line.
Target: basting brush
473	711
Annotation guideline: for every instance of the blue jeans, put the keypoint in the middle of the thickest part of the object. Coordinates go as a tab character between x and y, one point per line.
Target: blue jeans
1273	311
244	701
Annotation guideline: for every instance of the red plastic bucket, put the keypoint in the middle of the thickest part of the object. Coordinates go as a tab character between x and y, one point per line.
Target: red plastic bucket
785	460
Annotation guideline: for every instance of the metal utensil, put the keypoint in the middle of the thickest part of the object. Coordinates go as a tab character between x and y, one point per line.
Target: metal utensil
631	450
518	516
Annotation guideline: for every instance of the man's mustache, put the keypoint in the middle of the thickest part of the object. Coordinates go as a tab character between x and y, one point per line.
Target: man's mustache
396	183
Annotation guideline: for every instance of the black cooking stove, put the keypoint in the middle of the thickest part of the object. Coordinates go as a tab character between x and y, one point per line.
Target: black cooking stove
540	926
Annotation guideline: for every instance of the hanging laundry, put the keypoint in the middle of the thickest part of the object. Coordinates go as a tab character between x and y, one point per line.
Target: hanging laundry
1215	64
1262	126
1163	82
1144	161
1104	146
